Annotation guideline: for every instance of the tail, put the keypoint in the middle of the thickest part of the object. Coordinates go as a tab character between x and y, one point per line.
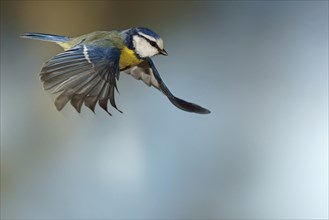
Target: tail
46	37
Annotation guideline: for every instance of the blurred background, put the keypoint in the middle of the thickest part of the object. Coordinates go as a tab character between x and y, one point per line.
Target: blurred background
261	67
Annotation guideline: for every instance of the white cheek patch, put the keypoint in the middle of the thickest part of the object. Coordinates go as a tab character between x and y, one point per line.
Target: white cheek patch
143	47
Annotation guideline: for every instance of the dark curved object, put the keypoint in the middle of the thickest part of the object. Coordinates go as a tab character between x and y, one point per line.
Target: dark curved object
179	103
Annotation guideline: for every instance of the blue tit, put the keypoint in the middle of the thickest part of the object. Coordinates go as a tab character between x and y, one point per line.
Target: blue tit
88	70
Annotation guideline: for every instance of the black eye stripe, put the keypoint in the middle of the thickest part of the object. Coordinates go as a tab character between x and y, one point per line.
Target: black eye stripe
153	44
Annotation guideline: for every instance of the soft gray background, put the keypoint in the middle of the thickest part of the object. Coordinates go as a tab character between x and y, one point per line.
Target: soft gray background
260	67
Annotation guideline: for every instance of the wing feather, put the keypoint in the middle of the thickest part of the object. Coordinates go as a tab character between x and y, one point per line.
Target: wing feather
52	74
103	98
92	98
84	75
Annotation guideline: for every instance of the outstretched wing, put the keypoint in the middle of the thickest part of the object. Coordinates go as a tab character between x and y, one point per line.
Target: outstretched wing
147	72
84	74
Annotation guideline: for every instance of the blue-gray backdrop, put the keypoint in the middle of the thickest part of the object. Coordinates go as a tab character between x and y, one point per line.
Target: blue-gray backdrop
261	67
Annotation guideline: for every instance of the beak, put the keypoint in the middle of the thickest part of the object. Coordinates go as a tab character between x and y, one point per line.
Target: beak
163	52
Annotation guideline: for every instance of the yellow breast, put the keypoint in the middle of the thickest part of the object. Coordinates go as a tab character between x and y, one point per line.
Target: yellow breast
128	58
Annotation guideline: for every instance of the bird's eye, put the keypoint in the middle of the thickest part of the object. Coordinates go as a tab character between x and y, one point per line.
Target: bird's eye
153	44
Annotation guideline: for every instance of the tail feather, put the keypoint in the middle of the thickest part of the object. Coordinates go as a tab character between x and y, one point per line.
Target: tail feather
46	37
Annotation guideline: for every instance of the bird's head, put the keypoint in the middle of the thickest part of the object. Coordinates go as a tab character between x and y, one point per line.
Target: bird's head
145	42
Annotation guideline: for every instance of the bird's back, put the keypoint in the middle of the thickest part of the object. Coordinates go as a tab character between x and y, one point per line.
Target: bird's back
99	38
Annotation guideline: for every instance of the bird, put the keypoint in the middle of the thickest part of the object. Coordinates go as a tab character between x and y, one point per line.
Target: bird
88	69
